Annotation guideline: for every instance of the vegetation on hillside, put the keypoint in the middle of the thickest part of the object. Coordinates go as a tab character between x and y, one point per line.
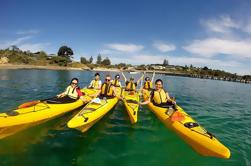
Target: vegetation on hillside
65	54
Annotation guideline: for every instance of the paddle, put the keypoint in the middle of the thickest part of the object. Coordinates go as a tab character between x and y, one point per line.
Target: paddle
32	103
28	104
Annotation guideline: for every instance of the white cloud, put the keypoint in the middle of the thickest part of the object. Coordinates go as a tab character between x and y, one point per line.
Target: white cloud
247	28
129	48
212	46
24	44
33	47
185	60
176	60
224	24
234	40
109	52
28	32
17	41
137	59
163	47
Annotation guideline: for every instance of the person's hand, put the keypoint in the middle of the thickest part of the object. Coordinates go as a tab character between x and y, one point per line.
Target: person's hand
141	103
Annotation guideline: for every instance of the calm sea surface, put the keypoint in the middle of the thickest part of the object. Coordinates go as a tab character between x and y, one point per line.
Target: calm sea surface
223	108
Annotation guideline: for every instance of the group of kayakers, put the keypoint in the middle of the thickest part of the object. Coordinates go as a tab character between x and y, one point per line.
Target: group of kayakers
107	89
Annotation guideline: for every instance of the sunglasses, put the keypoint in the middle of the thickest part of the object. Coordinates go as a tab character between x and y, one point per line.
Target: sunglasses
73	83
107	79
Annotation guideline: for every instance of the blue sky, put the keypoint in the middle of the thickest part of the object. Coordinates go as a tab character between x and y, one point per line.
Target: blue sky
215	33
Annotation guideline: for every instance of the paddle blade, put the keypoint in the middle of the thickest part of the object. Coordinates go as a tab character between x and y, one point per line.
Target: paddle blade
177	116
28	104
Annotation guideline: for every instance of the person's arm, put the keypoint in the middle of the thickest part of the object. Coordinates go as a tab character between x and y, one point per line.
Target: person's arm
168	97
63	93
172	99
145	102
140	79
90	86
148	100
124	76
116	94
95	95
153	76
99	84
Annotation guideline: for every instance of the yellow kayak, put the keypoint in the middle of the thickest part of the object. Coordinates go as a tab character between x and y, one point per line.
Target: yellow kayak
17	120
131	102
92	113
191	132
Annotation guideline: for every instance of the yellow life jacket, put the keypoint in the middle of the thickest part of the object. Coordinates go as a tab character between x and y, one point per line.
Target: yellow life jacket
130	86
95	84
159	97
71	92
106	90
116	83
148	85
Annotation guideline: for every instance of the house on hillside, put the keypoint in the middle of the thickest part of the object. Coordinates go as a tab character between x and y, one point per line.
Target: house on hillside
162	67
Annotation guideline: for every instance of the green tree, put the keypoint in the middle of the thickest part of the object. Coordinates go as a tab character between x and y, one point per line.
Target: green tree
59	60
41	55
66	52
99	59
121	65
205	68
106	62
14	48
165	62
185	68
91	60
83	60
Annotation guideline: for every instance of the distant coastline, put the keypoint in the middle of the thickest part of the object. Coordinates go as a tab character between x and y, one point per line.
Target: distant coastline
86	68
14	58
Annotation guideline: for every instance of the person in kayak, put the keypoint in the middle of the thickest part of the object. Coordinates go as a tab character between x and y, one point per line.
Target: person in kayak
131	84
71	94
107	90
116	81
148	84
96	83
159	97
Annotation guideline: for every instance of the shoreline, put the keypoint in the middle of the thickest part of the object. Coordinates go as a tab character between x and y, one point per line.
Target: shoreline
21	66
103	69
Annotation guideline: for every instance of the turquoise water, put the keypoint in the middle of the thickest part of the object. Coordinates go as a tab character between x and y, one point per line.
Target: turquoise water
223	108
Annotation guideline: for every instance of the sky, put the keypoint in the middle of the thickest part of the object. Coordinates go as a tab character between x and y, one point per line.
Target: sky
215	33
